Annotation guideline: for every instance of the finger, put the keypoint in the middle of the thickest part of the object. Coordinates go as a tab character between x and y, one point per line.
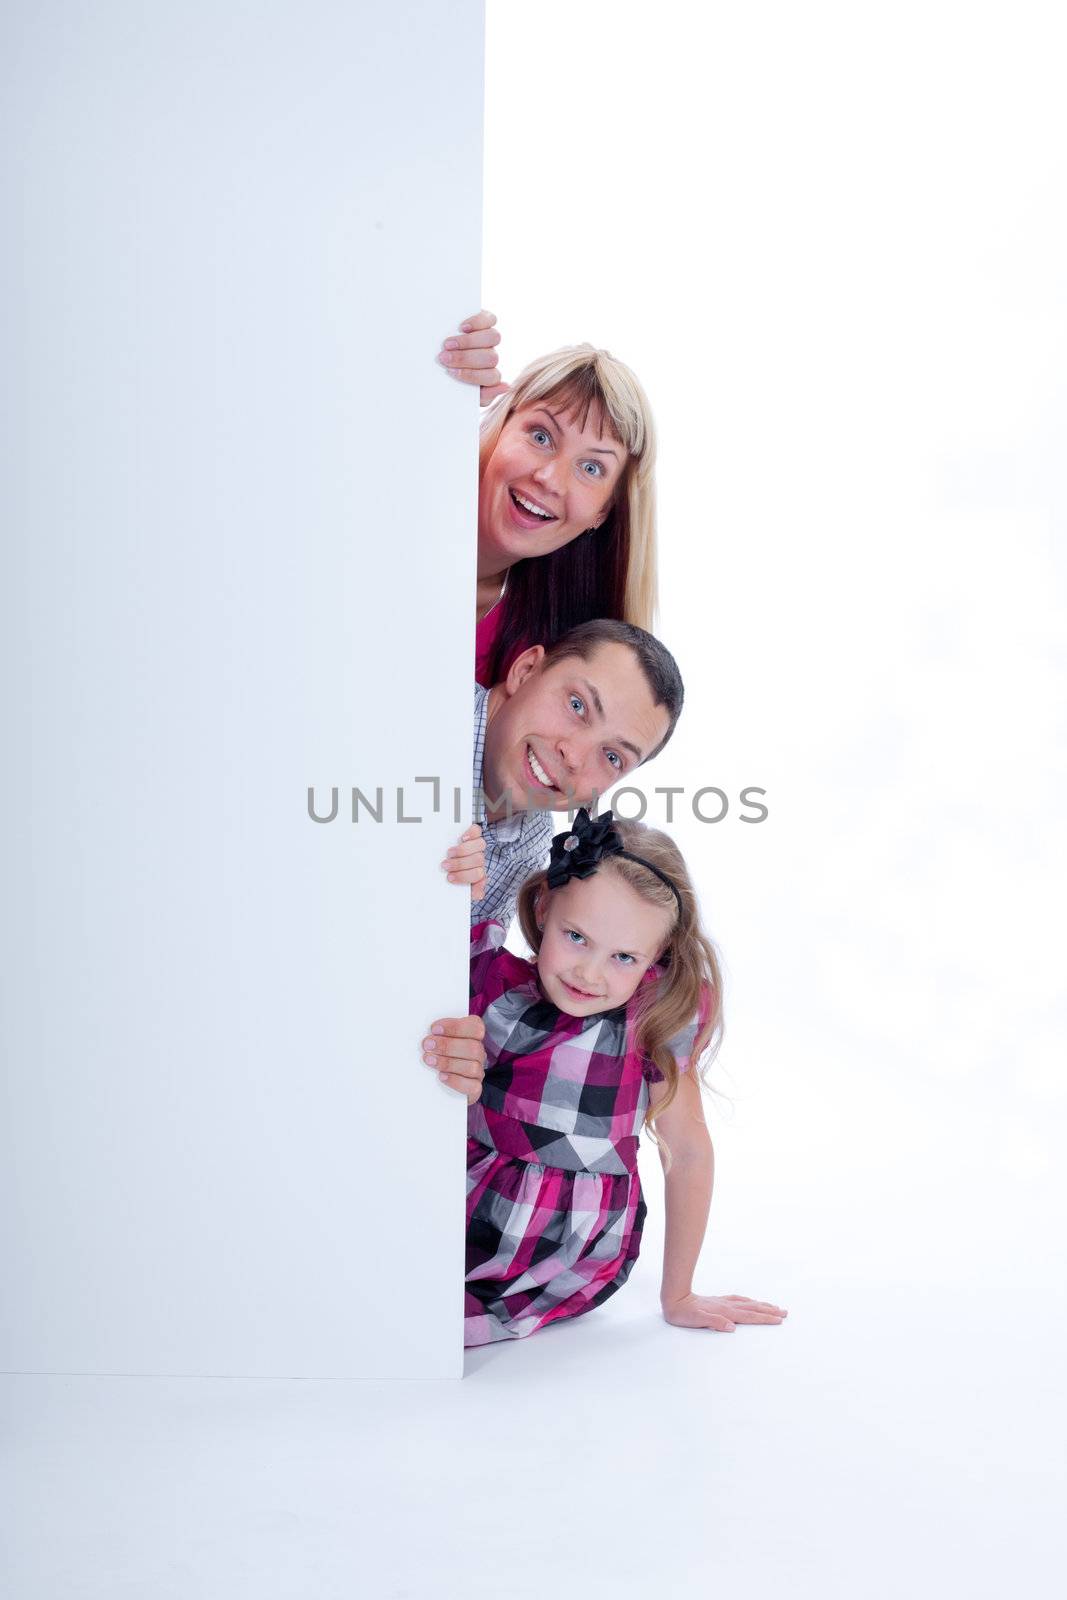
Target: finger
469	850
455	1049
458	1027
471	1052
464	861
720	1324
481	319
484	380
493	392
482	360
466	875
484	339
471	1071
482	376
452	1082
466	1071
475	864
470	1091
473	832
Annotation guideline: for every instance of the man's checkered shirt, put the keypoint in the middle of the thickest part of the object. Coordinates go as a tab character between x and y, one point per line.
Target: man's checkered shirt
514	847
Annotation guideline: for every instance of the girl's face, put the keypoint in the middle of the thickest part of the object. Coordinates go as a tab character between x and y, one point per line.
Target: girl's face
599	938
546	481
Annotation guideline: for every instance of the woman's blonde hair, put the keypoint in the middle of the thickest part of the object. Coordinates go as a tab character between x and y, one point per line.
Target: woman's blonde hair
609	571
691	982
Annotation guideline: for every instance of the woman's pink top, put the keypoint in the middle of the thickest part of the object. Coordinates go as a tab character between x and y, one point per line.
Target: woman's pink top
486	633
485	637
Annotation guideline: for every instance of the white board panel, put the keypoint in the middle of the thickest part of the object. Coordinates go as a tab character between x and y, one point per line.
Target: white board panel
239	510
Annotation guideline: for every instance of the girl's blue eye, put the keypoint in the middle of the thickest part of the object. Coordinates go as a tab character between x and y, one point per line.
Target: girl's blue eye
572	935
615	759
598	469
576	700
539	433
628	959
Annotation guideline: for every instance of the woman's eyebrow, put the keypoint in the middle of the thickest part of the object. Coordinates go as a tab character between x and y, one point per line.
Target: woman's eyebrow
593	450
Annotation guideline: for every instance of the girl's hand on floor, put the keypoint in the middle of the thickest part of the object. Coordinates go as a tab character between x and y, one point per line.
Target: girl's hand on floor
720	1313
454	1049
465	861
470	355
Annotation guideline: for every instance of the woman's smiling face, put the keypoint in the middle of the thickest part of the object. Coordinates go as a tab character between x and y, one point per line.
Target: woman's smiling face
547	480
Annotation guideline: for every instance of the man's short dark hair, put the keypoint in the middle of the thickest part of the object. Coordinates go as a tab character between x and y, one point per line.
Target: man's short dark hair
655	660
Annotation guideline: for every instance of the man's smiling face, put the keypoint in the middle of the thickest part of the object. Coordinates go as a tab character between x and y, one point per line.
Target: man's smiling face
559	736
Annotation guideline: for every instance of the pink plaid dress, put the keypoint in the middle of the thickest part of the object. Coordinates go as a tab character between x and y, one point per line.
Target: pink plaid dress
554	1203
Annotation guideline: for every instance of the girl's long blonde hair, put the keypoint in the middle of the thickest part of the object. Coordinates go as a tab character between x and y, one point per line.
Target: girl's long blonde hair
691	982
609	571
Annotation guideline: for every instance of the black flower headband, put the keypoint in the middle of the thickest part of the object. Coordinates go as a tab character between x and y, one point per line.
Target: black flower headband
577	852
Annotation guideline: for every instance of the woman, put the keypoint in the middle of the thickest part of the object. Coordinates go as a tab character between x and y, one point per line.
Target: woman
566	498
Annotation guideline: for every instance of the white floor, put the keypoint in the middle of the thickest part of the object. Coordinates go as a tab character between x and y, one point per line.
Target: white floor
899	1435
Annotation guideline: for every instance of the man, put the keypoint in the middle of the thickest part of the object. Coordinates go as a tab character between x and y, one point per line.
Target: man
564	726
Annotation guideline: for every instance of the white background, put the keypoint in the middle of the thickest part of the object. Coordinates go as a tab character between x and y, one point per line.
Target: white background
223	1153
831	241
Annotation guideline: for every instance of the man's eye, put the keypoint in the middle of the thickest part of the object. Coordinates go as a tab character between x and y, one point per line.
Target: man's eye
615	759
576	700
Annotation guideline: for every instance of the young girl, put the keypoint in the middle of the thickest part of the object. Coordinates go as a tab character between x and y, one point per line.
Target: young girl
566	496
599	1035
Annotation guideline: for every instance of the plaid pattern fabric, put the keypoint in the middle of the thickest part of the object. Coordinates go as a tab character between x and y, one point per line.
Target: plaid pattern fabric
514	847
543	1243
554	1204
